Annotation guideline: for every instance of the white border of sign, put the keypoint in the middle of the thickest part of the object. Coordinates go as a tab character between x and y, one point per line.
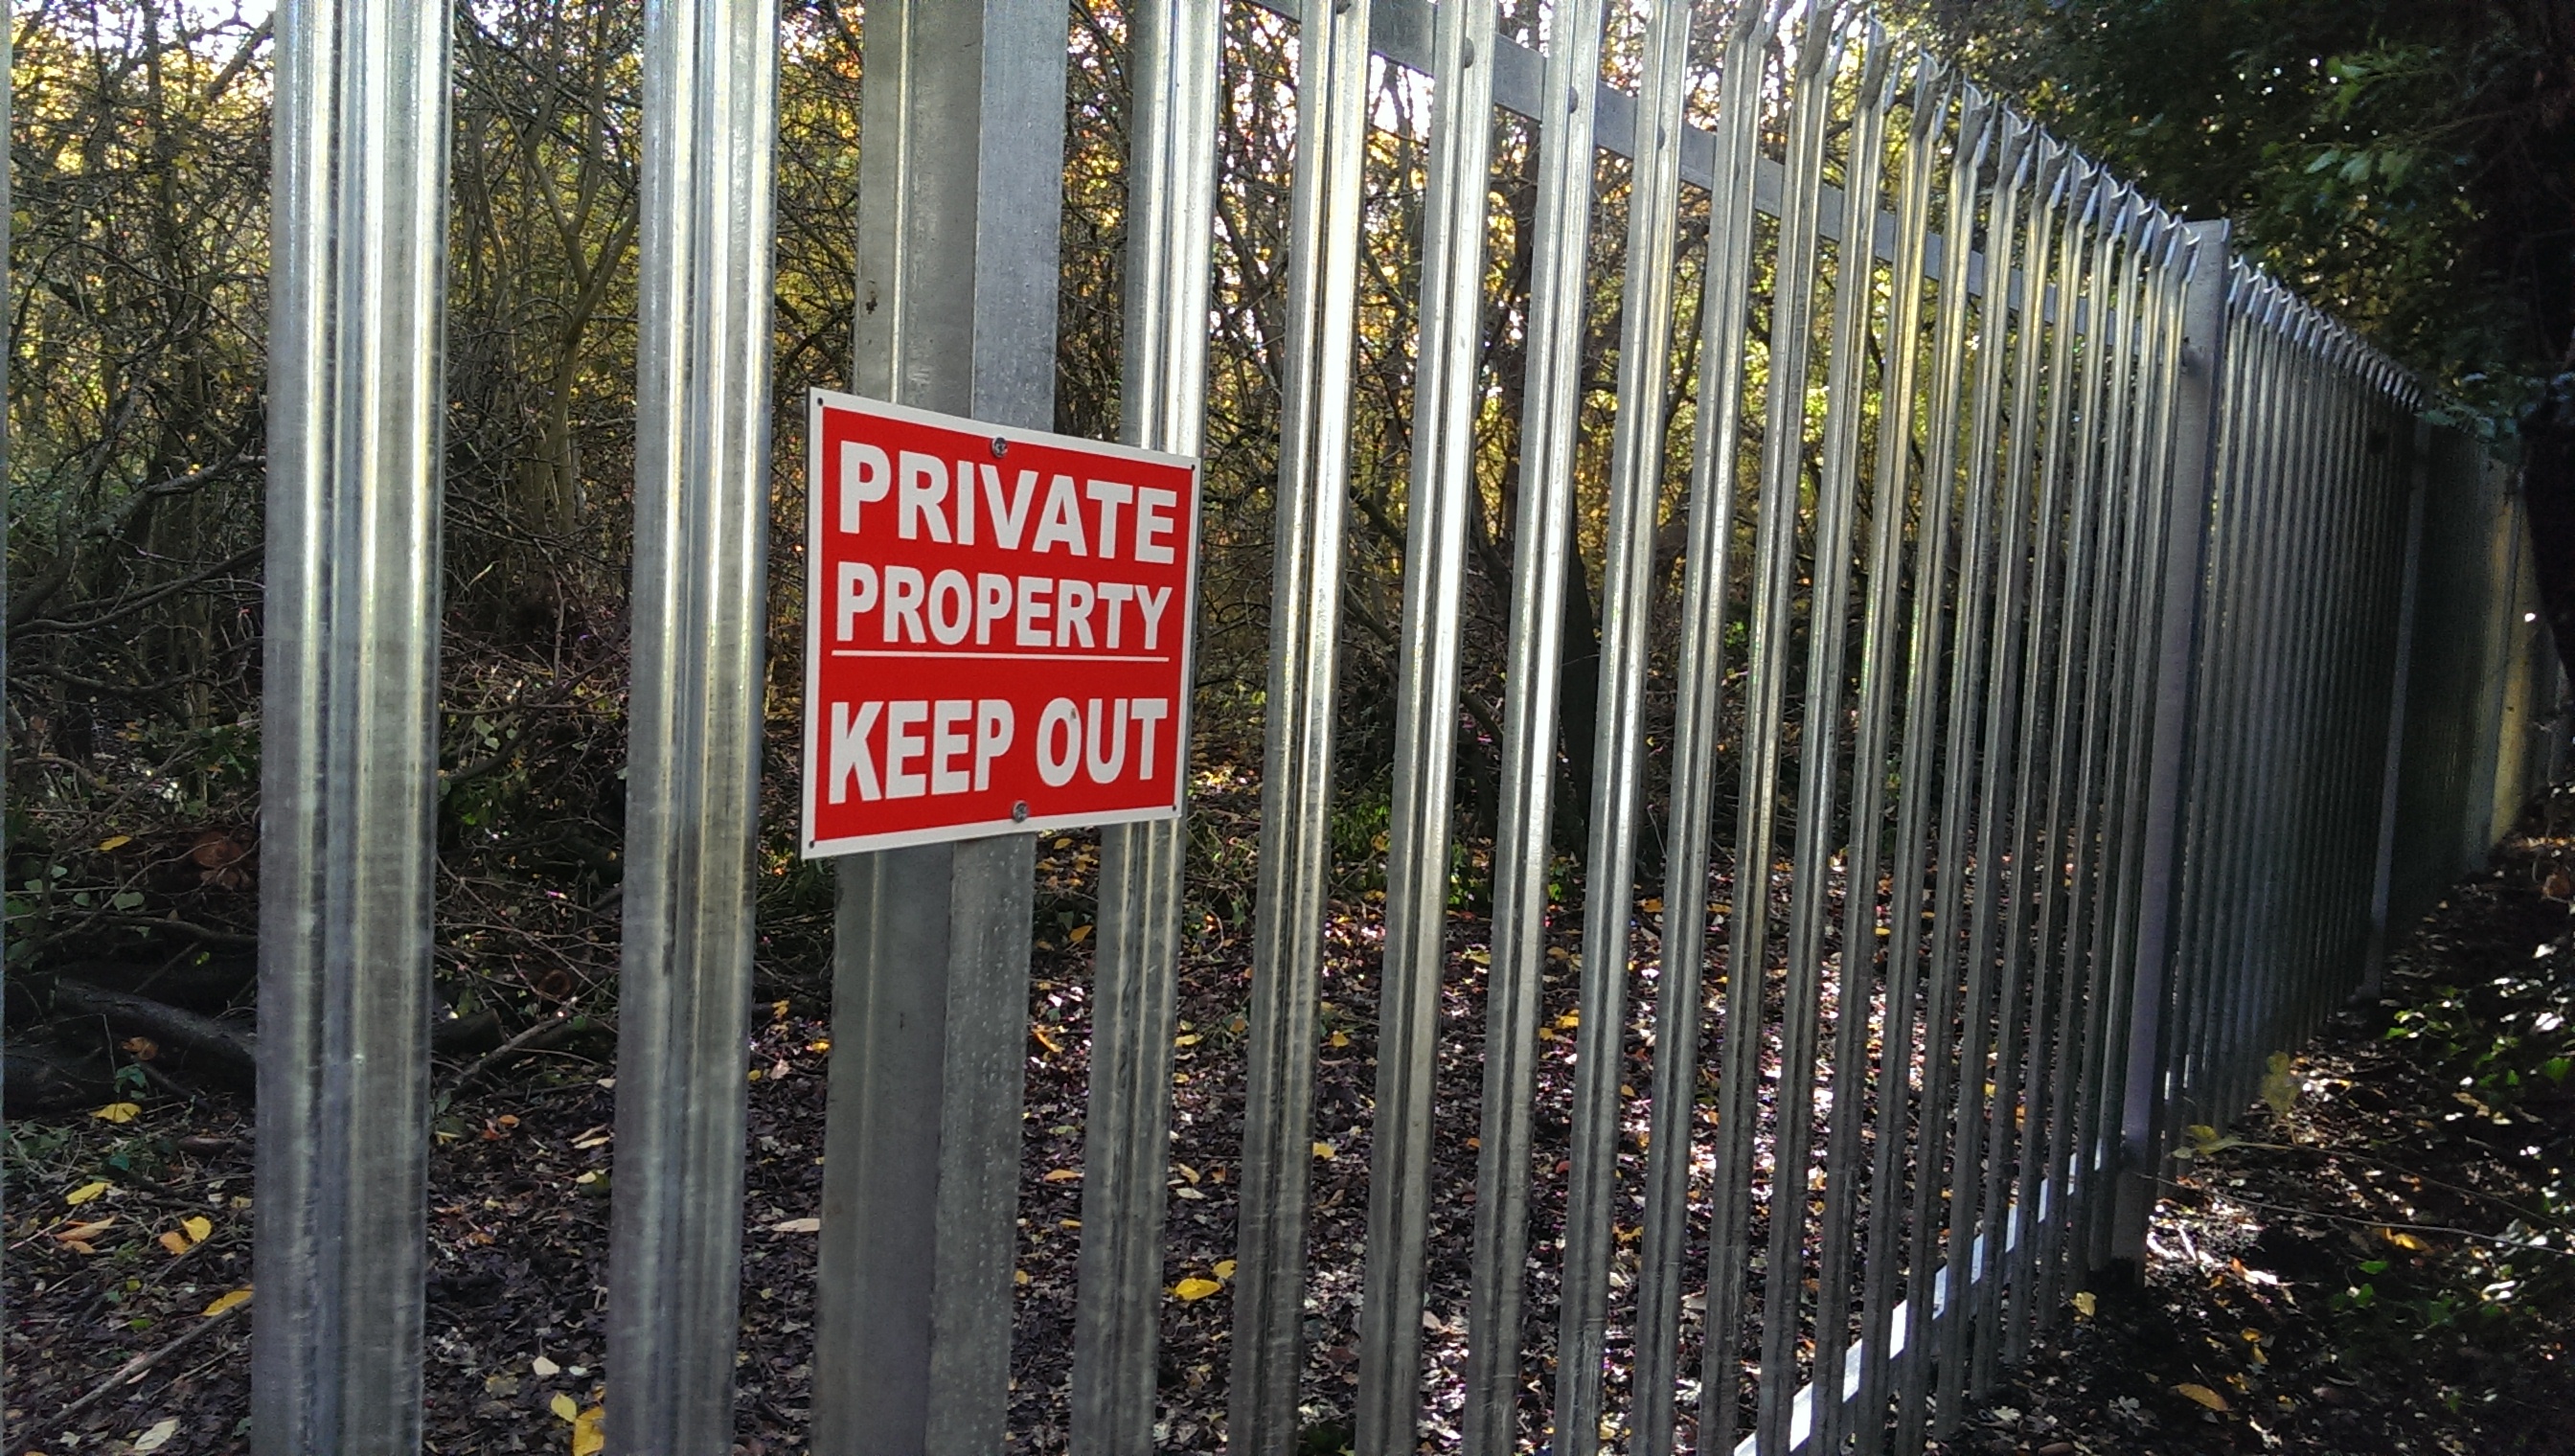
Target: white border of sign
819	399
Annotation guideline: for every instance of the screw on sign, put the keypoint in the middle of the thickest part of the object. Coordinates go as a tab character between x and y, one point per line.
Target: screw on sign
997	628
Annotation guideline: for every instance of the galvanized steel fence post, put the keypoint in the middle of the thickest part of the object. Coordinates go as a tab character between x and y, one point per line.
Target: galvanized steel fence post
693	773
349	766
1127	1133
2195	429
962	159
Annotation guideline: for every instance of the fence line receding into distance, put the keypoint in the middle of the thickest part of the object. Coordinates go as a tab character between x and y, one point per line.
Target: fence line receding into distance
2081	656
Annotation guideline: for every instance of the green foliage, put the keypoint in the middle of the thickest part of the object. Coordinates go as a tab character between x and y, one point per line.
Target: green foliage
2401	163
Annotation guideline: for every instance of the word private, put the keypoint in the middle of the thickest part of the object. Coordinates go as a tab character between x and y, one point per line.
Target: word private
998	629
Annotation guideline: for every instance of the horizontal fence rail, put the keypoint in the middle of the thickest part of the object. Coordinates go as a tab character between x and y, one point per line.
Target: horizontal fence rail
1975	667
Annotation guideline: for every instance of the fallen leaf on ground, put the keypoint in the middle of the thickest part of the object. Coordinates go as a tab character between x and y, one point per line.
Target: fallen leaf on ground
176	1242
2202	1394
198	1228
1195	1288
2084	1303
1062	1175
1224	1269
797	1226
157	1437
587	1435
562	1405
114	841
223	1302
1325	1151
544	1367
79	1231
118	1112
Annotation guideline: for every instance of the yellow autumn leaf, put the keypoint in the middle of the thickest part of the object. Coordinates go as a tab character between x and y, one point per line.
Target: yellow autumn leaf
1650	906
85	1193
1569	1019
1325	1151
175	1241
1195	1288
114	841
1224	1269
589	1436
1062	1175
118	1112
1079	935
1340	1038
1191	1038
2403	1240
1019	1276
2084	1303
562	1405
224	1303
198	1228
2202	1394
79	1231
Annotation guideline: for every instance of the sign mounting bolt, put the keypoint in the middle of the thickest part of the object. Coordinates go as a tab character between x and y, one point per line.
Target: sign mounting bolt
1020	810
1000	447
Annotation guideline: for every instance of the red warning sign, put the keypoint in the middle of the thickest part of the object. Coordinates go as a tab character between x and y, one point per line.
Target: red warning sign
998	629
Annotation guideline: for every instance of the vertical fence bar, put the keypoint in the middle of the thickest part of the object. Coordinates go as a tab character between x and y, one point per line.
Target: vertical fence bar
1879	670
2017	1026
961	176
1961	987
2019	1066
1854	295
1924	727
2110	659
1809	94
1827	623
2417	456
1542	560
1296	781
1173	71
693	778
1446	390
348	779
2060	841
2112	612
2111	791
2197	391
1628	583
1724	288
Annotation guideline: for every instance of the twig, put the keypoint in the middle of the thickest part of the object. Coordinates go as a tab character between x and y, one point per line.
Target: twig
2386	1223
135	1368
554	1026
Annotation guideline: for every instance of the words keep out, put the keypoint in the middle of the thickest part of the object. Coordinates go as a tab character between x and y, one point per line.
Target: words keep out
905	747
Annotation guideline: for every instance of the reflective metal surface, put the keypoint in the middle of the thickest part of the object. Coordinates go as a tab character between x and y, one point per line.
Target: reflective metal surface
692	767
349	768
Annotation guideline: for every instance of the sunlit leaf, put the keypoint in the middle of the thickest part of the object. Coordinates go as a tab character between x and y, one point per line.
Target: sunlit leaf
114	841
564	1406
1195	1288
226	1302
85	1193
589	1433
118	1112
2085	1303
2202	1394
198	1228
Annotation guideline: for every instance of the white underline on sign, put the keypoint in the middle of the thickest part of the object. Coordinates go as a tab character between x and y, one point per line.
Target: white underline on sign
1002	657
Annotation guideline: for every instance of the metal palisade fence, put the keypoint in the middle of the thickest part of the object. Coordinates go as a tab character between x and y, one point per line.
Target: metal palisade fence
2082	657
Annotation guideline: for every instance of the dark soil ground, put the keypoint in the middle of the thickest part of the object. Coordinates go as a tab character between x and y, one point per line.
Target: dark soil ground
2384	1268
